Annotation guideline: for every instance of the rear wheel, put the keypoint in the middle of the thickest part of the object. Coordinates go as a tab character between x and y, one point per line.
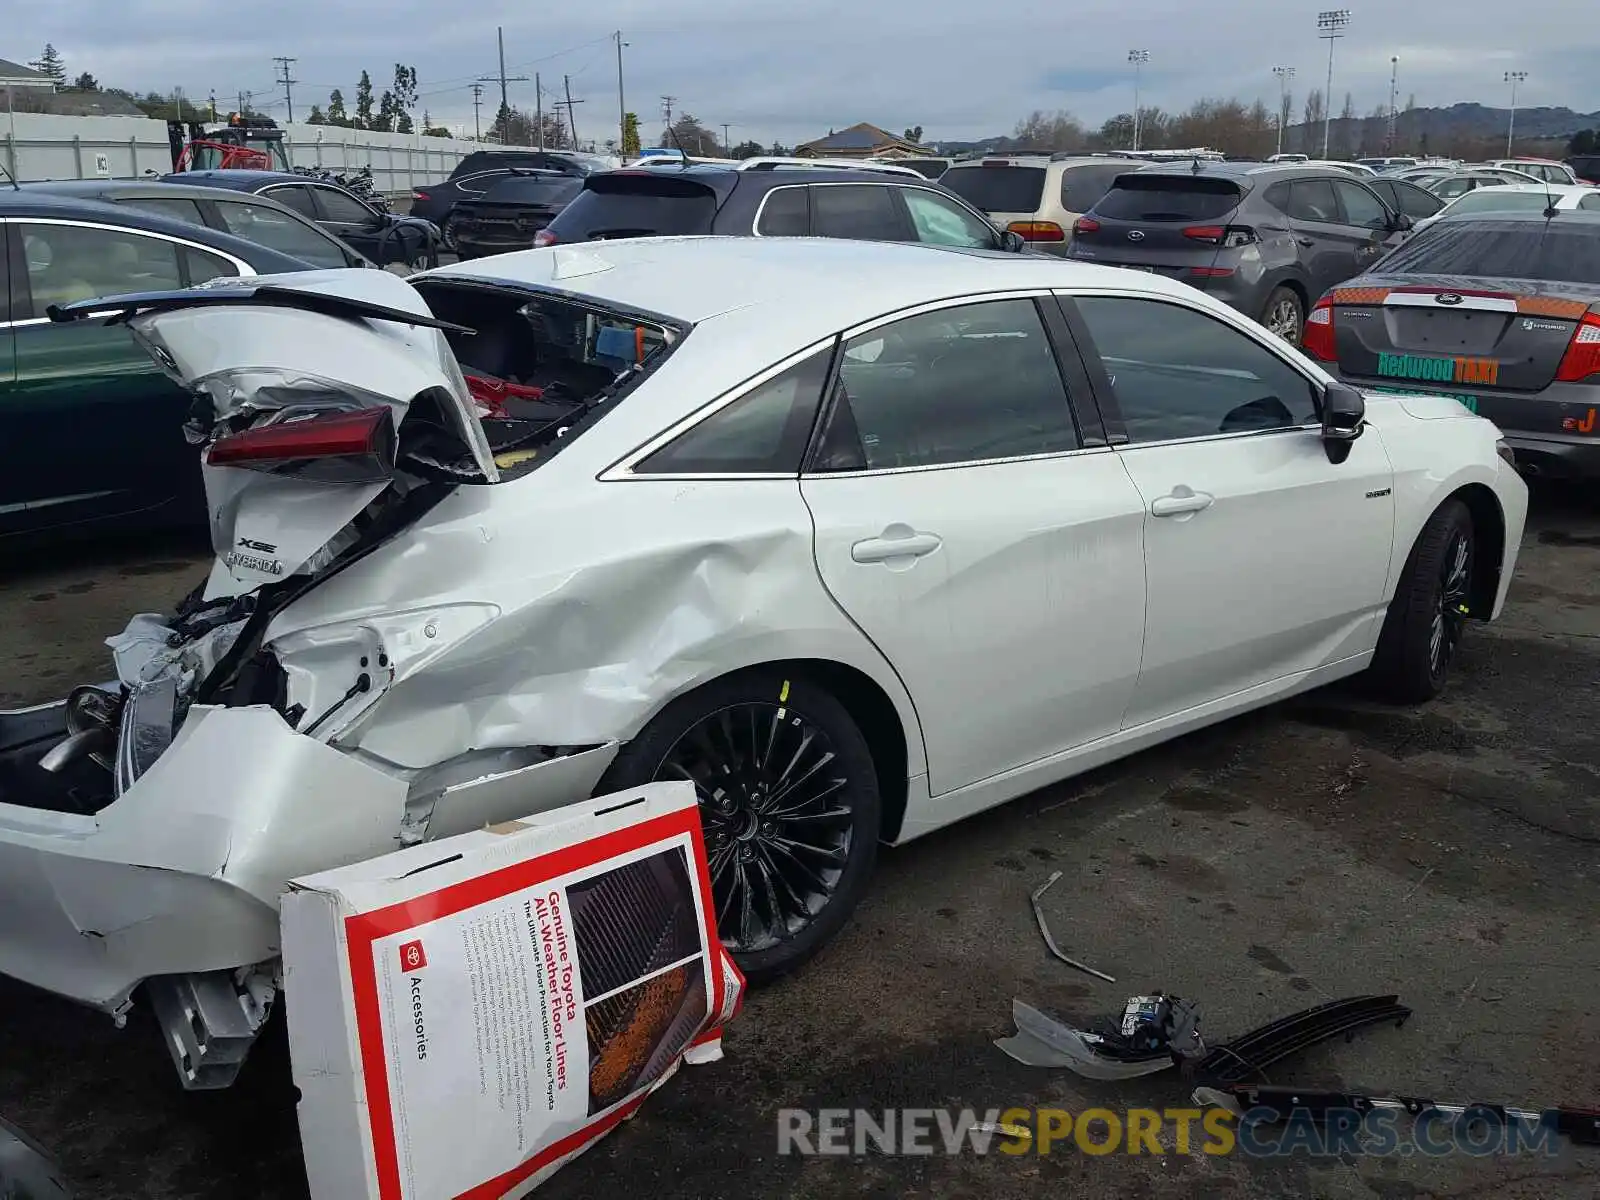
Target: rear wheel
1285	315
1428	614
788	801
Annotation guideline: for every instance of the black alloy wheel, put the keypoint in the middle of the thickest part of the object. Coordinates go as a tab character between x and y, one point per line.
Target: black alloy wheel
1432	602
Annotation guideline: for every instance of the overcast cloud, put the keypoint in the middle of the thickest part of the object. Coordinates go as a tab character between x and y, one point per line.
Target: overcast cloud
790	72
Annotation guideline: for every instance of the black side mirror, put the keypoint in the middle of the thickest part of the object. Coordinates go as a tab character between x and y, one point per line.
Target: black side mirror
1344	419
1402	223
1012	241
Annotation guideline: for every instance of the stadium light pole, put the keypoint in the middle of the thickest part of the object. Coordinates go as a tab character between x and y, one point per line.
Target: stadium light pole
1513	78
1285	75
1138	58
1331	24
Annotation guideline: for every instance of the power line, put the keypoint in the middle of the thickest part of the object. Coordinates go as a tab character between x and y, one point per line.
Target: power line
288	83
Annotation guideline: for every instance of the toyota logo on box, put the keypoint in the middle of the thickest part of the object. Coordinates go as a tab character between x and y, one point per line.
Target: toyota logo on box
412	956
1136	235
1447	298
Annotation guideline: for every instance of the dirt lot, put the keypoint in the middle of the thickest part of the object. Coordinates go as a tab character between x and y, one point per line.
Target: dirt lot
1321	848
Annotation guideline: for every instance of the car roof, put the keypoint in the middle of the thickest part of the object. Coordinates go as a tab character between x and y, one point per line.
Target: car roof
239	178
123	188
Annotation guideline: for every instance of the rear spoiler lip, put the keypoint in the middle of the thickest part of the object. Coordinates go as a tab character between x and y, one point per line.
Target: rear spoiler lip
121	309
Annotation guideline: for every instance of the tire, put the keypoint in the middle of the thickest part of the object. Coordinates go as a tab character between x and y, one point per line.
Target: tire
1425	620
1285	315
447	232
757	832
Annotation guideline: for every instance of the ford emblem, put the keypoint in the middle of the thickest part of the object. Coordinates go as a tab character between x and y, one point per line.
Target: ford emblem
1136	235
1447	298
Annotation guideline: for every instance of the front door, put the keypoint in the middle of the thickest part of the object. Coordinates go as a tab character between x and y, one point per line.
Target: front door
358	226
1263	559
964	527
1331	250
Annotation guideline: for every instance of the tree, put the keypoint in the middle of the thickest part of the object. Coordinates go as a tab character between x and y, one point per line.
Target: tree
336	112
316	117
86	83
49	63
1343	128
750	149
1285	110
693	138
364	102
630	134
1116	133
1040	130
405	97
1311	130
914	134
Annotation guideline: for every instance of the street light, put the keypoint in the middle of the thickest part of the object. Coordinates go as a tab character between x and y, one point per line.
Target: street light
1331	25
1285	77
1513	78
1138	58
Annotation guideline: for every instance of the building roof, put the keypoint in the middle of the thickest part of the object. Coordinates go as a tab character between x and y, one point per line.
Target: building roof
17	73
861	136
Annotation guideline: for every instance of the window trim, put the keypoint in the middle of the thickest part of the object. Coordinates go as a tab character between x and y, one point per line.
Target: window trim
1100	380
26	289
825	410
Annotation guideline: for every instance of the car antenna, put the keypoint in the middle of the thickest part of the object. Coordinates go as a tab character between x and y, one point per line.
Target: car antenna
15	186
683	162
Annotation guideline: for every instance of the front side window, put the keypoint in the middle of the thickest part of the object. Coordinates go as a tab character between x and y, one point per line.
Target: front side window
1177	373
278	230
942	222
763	432
297	198
964	384
863	211
66	263
784	213
345	210
1361	207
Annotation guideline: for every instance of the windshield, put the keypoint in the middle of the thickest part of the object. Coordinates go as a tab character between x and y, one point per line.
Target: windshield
1002	188
1558	250
1168	198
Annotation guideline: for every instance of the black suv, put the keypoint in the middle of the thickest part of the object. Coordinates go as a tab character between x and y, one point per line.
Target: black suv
1266	238
482	169
828	202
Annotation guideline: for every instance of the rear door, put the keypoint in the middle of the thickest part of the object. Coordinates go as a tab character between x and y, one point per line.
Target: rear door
1145	221
864	212
974	532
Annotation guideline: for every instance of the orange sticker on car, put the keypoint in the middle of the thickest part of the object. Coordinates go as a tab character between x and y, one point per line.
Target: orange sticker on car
1360	295
1544	306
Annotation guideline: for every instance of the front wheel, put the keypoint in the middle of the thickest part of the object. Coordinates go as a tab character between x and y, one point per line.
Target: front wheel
788	802
1428	614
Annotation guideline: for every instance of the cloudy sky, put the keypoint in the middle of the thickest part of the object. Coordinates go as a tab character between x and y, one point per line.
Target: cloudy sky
792	71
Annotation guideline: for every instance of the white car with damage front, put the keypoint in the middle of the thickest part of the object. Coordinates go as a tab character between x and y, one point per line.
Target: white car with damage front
860	538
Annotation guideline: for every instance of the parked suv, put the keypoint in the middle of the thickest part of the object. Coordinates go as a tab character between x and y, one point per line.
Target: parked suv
702	199
1586	167
1545	170
481	170
1037	197
1264	238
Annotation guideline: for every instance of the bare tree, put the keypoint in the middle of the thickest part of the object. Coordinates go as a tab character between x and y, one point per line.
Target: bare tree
1311	129
1050	131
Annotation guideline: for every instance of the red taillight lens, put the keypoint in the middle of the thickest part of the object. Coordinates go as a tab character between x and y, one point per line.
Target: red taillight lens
1038	231
1582	358
419	195
1086	225
1205	233
1230	237
1317	337
544	238
345	447
1211	272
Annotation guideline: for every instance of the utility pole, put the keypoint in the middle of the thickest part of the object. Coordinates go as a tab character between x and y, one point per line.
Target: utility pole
1331	25
727	141
477	105
572	124
503	78
500	38
538	108
288	94
244	105
1513	78
622	105
1138	58
1285	75
213	104
1394	112
666	108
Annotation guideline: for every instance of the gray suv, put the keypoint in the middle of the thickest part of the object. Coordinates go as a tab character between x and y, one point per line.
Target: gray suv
1266	238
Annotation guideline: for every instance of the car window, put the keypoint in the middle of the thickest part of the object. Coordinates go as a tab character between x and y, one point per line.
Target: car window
78	262
166	206
1590	202
297	198
1313	200
1177	373
864	211
1361	207
280	231
784	213
202	266
1449	189
940	221
765	431
342	209
958	385
1082	187
1176	198
651	203
997	187
1414	201
1492	248
1499	200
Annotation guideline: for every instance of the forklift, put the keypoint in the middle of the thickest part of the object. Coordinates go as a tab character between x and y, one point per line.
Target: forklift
248	143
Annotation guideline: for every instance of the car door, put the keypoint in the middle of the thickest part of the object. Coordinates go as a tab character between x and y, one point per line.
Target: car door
1328	247
1366	214
102	427
979	535
249	217
1263	560
352	222
1417	203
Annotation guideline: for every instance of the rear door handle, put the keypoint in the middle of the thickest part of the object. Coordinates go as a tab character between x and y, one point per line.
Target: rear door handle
1180	501
895	542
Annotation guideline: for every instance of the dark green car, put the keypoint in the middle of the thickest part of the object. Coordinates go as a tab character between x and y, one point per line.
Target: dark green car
91	433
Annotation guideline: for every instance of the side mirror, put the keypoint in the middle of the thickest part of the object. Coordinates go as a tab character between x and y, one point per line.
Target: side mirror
1012	241
1344	419
1402	223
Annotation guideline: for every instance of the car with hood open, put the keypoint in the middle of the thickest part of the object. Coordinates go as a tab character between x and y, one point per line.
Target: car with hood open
815	525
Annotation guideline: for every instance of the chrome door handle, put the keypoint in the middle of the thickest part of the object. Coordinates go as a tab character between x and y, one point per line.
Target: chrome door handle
1179	502
897	541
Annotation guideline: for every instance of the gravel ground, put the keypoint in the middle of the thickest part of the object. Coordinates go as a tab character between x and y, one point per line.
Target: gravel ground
1320	848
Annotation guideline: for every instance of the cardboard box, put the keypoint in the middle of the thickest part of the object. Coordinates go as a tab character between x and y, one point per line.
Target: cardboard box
467	1015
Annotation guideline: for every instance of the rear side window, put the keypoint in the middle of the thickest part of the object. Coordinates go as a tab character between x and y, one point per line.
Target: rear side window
1083	187
640	205
280	231
1001	188
1168	198
763	432
1313	200
166	206
784	213
863	211
1494	249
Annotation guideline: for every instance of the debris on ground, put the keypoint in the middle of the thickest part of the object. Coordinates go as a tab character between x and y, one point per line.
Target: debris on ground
1038	915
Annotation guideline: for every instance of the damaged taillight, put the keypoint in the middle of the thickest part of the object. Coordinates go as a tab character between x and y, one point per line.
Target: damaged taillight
343	447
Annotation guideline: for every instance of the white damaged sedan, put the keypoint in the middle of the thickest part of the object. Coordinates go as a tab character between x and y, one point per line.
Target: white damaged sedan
859	538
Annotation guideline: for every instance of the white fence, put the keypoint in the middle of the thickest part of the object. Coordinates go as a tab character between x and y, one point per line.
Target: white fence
46	146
